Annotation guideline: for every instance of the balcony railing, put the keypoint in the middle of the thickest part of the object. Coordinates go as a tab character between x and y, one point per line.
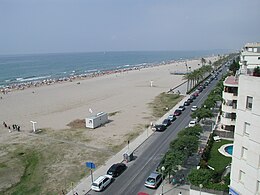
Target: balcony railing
229	96
228	121
229	109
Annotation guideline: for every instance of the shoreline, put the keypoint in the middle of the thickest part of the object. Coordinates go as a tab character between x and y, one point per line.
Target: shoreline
77	77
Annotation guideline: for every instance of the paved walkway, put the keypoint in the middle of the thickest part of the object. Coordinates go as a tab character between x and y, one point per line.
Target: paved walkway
85	184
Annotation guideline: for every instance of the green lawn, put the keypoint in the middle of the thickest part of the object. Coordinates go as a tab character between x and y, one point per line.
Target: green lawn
163	103
217	160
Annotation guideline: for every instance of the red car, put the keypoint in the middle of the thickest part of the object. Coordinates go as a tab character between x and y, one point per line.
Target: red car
177	112
142	193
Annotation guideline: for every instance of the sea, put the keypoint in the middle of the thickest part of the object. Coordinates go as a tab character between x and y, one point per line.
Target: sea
15	69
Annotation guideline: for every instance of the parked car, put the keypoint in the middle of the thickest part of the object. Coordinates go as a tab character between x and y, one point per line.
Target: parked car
190	100
194	108
116	169
172	117
166	122
196	94
177	112
192	123
186	103
182	108
159	127
101	183
192	97
154	180
142	193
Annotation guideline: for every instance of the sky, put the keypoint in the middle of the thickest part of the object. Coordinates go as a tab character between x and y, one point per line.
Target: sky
54	26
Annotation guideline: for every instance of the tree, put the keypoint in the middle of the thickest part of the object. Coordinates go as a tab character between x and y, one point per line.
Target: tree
191	131
256	71
203	61
201	176
185	144
202	113
234	67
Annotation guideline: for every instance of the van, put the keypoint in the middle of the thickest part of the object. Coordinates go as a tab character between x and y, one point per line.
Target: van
154	180
101	183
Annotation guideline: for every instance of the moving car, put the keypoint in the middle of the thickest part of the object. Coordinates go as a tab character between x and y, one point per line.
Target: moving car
177	112
116	169
154	180
101	183
172	117
159	127
194	108
192	123
166	122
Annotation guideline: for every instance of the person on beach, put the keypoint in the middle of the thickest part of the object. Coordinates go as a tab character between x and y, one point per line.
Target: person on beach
5	125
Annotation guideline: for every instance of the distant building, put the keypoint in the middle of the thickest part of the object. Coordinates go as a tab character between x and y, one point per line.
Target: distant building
245	168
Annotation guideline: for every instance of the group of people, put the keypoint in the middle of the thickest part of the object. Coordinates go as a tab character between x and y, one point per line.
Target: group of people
13	127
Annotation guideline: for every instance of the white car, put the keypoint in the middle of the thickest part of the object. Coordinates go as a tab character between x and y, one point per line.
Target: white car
194	108
192	123
101	183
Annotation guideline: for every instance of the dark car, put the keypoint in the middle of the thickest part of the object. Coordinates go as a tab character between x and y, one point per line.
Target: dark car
166	122
190	100
116	169
159	127
177	112
186	103
182	108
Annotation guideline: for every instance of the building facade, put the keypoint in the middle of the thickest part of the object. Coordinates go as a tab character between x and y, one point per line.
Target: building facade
245	168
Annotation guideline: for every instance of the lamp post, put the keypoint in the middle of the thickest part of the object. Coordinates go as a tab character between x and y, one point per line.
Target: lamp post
33	125
163	169
201	186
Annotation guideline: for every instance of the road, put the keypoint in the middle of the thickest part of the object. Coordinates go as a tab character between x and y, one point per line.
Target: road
149	154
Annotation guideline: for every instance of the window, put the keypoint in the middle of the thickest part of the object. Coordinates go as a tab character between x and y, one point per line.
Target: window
249	102
244	153
246	128
241	176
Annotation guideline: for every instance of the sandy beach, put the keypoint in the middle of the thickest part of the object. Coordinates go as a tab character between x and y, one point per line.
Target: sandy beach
127	94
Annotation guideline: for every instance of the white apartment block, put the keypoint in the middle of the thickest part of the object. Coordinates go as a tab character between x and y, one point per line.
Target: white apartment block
245	168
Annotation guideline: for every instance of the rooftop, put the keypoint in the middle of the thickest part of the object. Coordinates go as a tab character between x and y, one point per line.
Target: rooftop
256	44
231	80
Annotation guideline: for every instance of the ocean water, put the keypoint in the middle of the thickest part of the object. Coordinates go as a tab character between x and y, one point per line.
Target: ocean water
29	68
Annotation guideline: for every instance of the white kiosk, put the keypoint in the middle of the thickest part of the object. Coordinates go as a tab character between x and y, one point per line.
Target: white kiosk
97	120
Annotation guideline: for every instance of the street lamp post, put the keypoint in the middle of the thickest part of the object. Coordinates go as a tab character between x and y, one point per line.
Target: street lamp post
201	186
163	169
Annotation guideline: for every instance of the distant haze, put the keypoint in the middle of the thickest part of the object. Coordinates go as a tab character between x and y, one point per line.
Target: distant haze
53	26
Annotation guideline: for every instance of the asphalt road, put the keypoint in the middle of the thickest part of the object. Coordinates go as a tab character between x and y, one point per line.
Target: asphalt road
150	153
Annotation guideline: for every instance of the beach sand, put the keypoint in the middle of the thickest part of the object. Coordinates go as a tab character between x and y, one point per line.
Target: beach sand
127	93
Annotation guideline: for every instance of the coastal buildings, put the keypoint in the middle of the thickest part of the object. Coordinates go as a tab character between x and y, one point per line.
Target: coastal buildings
242	102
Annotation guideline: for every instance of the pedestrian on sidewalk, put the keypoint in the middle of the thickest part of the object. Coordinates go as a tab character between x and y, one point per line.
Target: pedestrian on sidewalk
180	193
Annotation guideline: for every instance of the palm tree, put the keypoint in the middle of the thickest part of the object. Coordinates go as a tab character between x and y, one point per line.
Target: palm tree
203	61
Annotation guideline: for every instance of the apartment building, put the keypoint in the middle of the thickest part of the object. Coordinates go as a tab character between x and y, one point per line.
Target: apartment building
245	169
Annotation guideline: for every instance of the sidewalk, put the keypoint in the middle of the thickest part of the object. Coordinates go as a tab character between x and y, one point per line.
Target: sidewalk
169	189
85	184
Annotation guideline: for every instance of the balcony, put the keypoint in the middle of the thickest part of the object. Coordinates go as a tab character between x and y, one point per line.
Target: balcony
229	109
229	96
227	121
